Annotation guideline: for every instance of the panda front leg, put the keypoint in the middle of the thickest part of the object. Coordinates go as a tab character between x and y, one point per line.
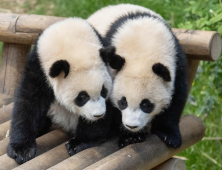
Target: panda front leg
168	133
166	124
88	134
32	102
126	137
28	121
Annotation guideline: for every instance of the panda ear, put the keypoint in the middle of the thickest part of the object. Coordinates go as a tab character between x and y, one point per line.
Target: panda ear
57	67
161	71
109	57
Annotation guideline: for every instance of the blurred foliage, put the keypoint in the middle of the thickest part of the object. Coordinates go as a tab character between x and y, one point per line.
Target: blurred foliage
206	93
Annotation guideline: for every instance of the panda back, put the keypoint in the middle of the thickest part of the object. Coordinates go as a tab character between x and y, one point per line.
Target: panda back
108	15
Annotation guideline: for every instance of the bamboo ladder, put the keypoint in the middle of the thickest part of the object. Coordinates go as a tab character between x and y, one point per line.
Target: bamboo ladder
19	32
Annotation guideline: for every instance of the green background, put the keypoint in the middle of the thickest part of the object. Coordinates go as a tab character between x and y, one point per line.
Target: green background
206	94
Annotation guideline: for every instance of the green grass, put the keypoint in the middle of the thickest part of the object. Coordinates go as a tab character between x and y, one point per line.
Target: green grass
206	94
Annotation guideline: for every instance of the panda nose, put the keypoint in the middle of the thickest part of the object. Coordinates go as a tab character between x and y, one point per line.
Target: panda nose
131	127
98	115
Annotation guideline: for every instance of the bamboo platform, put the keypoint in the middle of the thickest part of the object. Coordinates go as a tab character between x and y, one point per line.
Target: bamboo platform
19	32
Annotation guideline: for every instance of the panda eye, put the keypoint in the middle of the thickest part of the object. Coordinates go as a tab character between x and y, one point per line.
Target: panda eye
122	103
104	92
146	106
82	99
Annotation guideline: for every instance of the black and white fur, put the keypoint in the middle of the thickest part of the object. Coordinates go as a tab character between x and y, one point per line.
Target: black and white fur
65	81
149	70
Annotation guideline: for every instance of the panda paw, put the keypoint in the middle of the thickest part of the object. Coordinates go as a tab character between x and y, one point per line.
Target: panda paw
73	146
132	138
170	138
22	153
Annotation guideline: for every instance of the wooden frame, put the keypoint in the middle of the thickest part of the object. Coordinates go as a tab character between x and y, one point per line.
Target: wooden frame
19	32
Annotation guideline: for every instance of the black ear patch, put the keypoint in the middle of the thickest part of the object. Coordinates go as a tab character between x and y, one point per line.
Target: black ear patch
108	56
57	67
161	71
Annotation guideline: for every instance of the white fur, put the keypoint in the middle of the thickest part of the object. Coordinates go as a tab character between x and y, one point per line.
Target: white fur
61	116
93	108
135	118
103	18
75	41
142	42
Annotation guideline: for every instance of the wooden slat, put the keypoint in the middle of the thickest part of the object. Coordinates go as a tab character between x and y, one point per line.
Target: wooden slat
200	45
47	159
192	69
87	157
153	151
44	143
171	164
4	128
8	31
14	58
27	23
3	145
5	113
4	100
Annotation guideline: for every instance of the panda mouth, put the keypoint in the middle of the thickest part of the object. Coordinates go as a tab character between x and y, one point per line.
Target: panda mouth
131	127
98	116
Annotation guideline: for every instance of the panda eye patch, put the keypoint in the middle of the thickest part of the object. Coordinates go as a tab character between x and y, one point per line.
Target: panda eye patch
146	106
82	98
104	92
122	103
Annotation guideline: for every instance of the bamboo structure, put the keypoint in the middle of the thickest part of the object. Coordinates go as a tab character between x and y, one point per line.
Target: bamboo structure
18	32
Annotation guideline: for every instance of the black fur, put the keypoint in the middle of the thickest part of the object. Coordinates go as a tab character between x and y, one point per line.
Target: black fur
120	21
108	56
32	102
57	67
164	125
82	98
29	118
146	106
161	71
90	134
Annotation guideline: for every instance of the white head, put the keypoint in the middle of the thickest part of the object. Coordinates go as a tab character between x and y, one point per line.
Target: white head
69	55
143	52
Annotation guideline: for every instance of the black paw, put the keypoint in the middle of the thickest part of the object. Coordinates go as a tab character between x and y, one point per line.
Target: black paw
170	138
22	152
73	146
132	138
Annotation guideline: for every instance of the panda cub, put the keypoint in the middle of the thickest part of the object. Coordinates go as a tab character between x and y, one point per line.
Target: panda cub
149	69
65	81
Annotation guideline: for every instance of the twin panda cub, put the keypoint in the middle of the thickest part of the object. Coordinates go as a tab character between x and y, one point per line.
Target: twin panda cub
68	81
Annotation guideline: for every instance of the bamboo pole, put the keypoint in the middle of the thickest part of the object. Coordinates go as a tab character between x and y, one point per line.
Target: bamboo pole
3	146
171	164
199	45
4	128
24	29
153	151
44	143
47	159
192	69
87	157
5	113
4	100
12	66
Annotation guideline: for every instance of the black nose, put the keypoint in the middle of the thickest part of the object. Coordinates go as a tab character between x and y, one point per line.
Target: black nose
98	115
132	127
